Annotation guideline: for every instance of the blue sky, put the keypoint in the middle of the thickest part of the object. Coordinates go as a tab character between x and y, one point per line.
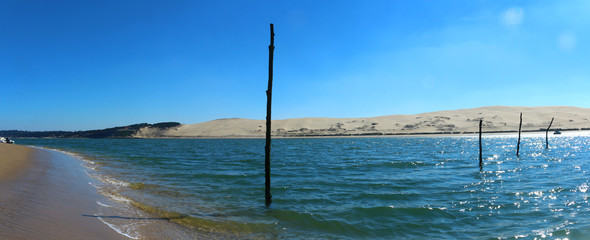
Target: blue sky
78	65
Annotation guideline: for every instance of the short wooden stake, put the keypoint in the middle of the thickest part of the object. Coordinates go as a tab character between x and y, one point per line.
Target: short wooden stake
480	157
547	134
519	128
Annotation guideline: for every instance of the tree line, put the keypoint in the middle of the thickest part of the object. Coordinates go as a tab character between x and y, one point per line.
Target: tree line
115	132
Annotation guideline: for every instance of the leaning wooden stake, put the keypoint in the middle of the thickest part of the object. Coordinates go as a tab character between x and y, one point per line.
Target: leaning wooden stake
519	128
547	134
480	157
271	48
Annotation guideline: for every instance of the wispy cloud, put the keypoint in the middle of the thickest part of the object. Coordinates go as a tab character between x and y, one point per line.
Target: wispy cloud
567	41
512	17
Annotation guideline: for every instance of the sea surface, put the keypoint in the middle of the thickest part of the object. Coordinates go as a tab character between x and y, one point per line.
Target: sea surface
340	188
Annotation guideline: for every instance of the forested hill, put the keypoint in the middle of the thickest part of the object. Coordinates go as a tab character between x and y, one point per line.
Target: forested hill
115	132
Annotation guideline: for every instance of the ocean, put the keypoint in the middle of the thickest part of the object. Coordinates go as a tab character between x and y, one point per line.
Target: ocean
340	188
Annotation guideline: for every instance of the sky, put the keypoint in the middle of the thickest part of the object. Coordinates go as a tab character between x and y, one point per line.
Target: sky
80	65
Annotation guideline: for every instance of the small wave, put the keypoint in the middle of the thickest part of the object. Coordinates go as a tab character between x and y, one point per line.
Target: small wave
111	181
94	185
119	231
116	197
102	204
71	154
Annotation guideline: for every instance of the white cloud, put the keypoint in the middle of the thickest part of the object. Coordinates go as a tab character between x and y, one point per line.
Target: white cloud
567	41
512	17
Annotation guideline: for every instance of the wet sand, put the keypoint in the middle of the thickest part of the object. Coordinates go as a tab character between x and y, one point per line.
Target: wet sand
46	195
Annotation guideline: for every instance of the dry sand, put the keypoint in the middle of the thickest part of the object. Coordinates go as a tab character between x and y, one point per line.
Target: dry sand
46	196
14	160
496	119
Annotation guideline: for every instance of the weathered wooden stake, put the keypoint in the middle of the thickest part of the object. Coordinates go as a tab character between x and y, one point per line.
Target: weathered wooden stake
547	134
519	128
271	48
480	157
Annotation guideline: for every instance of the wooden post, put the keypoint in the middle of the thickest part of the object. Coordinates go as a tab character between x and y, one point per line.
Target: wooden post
547	134
271	48
519	128
480	157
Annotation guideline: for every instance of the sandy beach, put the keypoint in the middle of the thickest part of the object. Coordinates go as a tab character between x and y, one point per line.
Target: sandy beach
45	195
14	160
463	121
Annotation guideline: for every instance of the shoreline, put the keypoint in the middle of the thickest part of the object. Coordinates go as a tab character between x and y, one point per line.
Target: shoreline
50	197
380	135
366	135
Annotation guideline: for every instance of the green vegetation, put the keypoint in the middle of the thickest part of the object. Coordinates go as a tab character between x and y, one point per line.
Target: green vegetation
116	132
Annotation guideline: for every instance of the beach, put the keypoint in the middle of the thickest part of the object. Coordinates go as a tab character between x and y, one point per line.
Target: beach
45	194
418	187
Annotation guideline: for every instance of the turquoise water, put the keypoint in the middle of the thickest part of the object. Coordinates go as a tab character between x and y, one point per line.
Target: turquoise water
352	188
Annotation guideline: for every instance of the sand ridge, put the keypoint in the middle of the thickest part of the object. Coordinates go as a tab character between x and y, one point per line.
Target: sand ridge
495	119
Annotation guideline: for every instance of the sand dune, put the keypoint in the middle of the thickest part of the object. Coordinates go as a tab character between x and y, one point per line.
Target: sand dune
496	119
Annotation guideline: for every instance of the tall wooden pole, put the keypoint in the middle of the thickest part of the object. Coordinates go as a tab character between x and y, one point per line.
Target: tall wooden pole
519	128
547	134
271	48
480	157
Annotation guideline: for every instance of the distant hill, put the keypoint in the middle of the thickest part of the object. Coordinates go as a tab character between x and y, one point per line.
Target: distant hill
496	119
115	132
462	121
